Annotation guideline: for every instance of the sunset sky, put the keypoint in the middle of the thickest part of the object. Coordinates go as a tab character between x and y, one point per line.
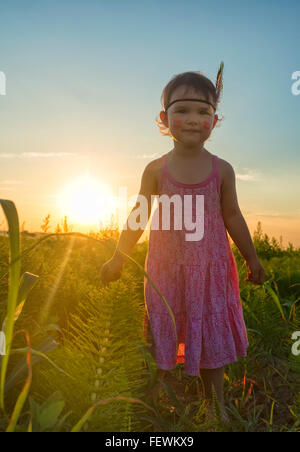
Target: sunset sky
83	85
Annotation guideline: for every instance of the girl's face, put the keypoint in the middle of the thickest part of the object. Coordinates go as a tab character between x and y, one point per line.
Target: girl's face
189	121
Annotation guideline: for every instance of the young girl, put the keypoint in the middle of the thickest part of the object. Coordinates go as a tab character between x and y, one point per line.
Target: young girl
198	278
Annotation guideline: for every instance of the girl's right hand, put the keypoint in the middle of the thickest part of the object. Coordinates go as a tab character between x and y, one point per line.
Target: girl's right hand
111	270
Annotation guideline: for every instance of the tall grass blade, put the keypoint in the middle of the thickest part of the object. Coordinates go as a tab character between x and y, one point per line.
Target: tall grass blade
29	428
28	280
276	300
23	395
271	415
11	214
38	354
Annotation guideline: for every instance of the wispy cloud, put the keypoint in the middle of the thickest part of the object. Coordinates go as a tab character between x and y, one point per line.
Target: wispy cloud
11	182
249	176
145	156
278	215
4	183
47	154
36	154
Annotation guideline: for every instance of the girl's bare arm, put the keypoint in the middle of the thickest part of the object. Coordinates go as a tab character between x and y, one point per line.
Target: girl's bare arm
130	237
237	226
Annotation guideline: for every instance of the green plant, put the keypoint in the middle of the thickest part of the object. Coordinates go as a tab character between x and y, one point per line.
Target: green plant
17	295
46	416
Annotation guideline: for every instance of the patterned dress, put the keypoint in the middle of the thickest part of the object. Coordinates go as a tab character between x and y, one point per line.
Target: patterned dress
199	280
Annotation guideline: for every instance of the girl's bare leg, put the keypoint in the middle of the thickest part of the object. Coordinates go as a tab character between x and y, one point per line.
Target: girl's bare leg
214	377
158	386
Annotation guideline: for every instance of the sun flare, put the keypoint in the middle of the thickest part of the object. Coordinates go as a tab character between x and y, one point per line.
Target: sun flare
87	201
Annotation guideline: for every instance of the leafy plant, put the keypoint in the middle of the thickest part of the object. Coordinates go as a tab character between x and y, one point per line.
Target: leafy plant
47	416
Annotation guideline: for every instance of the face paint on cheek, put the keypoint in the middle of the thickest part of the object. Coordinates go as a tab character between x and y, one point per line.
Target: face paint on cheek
177	123
206	125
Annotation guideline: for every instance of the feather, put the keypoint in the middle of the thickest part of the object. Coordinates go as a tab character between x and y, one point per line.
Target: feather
219	81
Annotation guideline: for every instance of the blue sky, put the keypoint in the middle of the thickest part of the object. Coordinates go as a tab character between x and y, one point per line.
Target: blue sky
84	81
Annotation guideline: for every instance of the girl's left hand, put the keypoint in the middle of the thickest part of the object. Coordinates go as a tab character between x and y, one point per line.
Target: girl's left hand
256	273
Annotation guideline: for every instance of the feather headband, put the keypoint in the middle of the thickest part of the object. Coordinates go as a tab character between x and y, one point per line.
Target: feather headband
219	87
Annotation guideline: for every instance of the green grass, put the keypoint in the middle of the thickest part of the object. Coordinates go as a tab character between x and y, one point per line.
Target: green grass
99	363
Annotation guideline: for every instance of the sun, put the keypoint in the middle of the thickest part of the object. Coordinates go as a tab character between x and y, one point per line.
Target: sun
87	201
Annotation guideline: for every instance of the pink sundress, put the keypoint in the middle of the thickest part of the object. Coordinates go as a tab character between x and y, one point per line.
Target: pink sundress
199	280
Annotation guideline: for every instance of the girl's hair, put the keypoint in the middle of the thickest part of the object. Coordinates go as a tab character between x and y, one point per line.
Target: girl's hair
196	80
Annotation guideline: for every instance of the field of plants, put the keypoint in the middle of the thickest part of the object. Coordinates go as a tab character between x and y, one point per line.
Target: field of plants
77	360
